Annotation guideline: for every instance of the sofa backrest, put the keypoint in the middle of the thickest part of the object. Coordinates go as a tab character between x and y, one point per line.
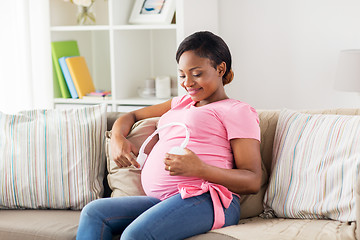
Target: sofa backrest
111	118
252	205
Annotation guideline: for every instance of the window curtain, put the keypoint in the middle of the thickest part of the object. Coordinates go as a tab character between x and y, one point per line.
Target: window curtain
25	56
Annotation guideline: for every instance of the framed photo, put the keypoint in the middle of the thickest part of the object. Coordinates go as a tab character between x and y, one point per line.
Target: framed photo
152	12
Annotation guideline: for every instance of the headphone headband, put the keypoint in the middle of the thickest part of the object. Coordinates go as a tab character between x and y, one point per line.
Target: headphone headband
142	155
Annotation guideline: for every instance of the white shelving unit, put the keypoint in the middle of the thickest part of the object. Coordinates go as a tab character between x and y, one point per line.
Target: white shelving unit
120	56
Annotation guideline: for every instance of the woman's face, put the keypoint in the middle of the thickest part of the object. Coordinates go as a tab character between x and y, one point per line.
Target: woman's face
200	79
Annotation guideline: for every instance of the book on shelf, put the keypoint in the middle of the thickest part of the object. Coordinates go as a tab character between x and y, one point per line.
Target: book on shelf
98	95
67	76
80	75
62	49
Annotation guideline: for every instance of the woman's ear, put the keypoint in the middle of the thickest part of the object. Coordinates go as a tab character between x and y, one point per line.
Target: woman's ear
221	69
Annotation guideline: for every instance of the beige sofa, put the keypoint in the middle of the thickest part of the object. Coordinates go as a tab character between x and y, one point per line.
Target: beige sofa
62	224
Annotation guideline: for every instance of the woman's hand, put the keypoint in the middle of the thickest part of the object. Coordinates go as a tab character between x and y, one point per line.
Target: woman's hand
245	178
123	152
188	165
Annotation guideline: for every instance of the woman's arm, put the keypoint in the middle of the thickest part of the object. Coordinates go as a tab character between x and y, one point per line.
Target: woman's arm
122	151
245	179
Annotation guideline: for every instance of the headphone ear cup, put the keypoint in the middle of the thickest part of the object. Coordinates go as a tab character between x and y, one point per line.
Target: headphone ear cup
177	151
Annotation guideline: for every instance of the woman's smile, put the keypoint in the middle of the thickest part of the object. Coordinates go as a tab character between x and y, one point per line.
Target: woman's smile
193	91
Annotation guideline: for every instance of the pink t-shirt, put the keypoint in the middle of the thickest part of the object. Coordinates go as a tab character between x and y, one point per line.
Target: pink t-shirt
211	127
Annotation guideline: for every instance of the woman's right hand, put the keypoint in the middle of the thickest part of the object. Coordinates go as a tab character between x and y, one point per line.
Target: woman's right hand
123	152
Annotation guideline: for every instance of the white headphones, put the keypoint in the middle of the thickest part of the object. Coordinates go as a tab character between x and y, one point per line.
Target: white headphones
179	150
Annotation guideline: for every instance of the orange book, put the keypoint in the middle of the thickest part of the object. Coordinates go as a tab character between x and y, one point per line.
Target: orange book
80	75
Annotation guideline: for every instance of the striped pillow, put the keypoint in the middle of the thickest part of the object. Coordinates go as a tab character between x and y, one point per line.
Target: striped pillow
52	158
316	161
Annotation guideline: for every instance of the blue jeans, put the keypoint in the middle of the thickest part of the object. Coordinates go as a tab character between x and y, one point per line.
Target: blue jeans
142	217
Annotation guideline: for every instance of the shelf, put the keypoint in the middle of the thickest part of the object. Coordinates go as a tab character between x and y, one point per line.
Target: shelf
120	56
127	101
139	101
144	27
115	27
79	28
80	101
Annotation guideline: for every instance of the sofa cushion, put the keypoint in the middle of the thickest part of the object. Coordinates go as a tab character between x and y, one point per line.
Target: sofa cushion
280	228
52	158
127	181
315	166
38	224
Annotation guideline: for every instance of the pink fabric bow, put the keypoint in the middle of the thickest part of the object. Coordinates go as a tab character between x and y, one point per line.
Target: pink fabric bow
217	193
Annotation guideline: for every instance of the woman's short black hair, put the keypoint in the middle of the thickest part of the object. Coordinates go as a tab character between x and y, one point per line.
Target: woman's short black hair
208	45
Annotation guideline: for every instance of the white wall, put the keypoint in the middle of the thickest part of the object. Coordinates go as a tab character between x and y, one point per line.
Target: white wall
285	51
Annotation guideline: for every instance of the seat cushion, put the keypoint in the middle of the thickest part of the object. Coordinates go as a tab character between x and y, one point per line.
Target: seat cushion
62	224
295	229
38	224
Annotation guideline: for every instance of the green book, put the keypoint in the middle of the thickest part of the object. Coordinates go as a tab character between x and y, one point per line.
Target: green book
62	49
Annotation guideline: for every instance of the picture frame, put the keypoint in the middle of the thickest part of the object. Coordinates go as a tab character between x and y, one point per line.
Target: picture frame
152	12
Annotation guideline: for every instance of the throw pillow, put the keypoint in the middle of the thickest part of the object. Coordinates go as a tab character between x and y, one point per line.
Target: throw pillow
315	166
127	181
52	158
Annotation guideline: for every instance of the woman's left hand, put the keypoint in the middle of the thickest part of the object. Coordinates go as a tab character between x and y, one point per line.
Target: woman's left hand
188	165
